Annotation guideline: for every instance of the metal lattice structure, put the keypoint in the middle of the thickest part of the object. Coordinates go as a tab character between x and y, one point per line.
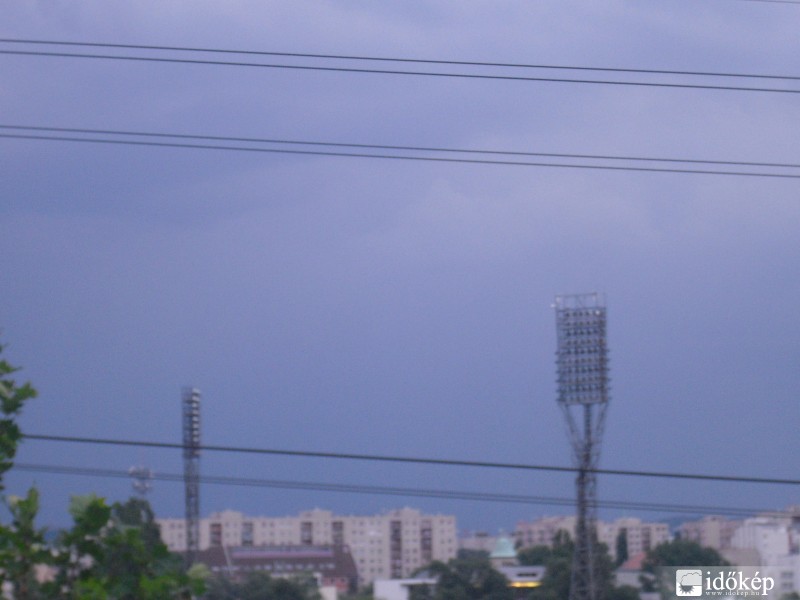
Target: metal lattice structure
583	384
191	470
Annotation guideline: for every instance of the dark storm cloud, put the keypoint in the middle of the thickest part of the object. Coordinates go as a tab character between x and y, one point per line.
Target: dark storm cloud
392	307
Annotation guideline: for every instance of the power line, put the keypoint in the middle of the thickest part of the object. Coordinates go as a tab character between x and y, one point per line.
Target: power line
413	460
438	159
400	491
447	150
773	1
405	60
474	76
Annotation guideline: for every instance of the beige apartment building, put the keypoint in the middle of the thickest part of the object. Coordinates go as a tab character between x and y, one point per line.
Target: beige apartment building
641	536
712	531
385	546
542	532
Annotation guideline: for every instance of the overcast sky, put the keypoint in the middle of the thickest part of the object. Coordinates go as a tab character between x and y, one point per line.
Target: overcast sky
403	307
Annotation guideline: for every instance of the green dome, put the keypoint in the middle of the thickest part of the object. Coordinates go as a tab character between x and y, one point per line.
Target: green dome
503	548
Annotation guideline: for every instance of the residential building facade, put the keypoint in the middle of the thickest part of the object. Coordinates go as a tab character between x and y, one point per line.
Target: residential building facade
774	540
386	546
640	536
542	532
711	532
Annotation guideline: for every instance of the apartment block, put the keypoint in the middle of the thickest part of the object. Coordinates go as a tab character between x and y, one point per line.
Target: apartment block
641	536
771	541
711	532
772	536
542	532
385	546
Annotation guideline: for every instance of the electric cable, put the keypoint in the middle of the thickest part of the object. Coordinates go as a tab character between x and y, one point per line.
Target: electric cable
437	159
363	70
402	60
400	491
773	1
412	460
410	60
433	149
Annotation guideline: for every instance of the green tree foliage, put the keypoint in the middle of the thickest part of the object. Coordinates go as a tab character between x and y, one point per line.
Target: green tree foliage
21	543
622	547
557	560
677	553
115	552
366	593
623	592
468	554
110	553
471	578
22	546
79	548
534	555
136	512
260	586
12	399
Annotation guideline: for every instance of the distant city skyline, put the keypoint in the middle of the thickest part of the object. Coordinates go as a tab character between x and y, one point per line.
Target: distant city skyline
396	543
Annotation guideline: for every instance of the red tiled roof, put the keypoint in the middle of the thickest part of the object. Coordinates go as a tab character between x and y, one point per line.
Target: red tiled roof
332	562
634	563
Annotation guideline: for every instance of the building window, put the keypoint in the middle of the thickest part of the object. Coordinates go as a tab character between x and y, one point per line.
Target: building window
307	533
216	534
338	532
247	533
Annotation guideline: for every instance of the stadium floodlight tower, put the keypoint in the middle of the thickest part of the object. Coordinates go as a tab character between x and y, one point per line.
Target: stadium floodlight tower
583	382
191	470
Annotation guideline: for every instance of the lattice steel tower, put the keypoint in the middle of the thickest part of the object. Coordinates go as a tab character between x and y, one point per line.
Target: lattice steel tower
582	359
191	470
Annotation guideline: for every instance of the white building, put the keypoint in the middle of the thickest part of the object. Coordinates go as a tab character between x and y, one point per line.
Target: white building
519	578
390	545
768	536
775	541
399	589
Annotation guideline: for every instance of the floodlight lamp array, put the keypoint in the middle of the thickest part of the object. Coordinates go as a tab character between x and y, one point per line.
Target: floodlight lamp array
582	355
191	423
